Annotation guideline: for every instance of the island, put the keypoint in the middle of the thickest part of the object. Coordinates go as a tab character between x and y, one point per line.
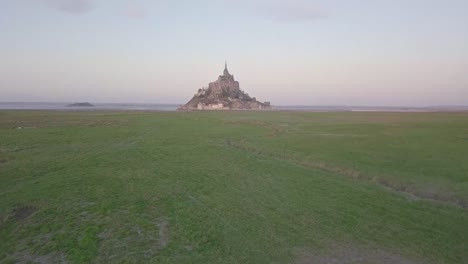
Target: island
224	94
84	104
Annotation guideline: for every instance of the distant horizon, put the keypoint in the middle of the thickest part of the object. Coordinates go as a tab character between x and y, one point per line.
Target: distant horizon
278	105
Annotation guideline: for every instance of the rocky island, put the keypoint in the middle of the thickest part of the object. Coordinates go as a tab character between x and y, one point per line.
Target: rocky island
84	104
224	94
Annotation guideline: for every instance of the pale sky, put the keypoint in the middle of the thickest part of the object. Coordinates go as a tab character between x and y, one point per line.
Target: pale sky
323	52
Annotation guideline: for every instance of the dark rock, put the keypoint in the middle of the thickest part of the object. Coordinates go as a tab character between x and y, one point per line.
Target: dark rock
84	104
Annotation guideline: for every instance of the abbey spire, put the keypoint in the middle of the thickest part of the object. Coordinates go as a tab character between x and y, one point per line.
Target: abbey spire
226	72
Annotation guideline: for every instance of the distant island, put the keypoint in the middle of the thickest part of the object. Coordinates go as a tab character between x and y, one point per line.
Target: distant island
84	104
224	94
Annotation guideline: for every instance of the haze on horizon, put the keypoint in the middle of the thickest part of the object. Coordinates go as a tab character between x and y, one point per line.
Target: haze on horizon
367	52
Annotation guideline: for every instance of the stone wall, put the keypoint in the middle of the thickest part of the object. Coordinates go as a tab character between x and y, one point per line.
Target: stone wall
219	106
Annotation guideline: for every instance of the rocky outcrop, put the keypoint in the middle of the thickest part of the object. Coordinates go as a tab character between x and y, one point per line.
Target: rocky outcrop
84	104
224	94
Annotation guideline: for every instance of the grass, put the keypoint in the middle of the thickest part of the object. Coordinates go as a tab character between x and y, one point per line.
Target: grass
233	187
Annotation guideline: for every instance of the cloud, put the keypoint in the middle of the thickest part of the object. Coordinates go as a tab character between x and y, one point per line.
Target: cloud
71	6
293	10
135	13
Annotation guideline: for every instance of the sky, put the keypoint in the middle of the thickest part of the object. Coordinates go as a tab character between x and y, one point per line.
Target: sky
290	52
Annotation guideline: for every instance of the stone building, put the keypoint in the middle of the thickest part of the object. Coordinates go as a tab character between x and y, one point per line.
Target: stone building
224	94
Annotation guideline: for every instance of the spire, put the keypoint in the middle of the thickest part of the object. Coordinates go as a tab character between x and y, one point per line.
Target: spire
226	72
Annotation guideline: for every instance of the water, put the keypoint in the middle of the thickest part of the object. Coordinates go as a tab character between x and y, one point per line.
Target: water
97	106
311	108
173	107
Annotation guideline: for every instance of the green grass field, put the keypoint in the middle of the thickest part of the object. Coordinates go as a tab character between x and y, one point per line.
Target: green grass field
233	187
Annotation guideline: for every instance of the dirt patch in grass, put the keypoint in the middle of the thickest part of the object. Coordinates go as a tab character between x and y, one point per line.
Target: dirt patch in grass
23	212
163	232
350	255
126	240
53	257
3	160
11	149
339	135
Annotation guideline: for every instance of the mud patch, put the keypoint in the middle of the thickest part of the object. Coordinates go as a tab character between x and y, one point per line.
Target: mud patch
163	232
3	160
54	257
339	135
351	255
23	212
125	239
11	149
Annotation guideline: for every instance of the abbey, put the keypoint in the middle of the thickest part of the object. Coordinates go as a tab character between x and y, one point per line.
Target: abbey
224	94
